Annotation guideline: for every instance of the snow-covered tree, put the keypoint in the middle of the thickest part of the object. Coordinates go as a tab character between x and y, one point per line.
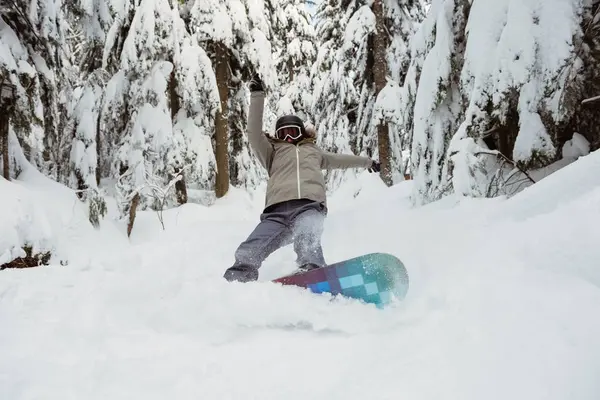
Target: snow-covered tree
359	69
142	99
294	51
578	101
194	103
504	77
335	106
396	22
437	102
88	23
33	64
84	156
235	34
32	41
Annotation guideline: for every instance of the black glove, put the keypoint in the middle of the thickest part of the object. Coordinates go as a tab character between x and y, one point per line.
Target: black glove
375	167
256	84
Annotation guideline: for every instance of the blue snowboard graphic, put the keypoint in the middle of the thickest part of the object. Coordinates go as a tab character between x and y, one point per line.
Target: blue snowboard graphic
376	278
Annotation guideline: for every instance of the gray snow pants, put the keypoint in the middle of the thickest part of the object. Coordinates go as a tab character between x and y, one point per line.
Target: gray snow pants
295	221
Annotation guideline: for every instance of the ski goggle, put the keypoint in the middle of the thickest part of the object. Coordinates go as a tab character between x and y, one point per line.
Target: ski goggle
288	132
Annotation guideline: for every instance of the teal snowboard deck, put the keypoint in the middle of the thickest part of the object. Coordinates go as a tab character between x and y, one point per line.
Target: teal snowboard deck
376	278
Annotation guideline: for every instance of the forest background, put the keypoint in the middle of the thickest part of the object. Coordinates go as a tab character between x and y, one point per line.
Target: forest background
147	100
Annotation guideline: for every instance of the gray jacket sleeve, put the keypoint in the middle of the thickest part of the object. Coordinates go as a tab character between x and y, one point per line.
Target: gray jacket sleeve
344	161
259	143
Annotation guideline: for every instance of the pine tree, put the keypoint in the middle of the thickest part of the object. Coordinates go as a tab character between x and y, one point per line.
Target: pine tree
335	105
235	35
294	48
88	23
195	101
438	58
359	70
141	52
400	20
217	39
84	156
32	37
507	95
578	110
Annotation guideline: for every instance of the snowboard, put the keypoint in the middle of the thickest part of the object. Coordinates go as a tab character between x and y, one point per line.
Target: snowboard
375	278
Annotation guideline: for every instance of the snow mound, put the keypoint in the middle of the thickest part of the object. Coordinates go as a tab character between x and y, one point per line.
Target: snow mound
573	182
46	216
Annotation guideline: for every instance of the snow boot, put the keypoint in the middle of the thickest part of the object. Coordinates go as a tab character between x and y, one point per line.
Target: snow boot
305	268
241	273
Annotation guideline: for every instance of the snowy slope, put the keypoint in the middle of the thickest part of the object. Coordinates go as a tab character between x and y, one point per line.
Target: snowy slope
503	304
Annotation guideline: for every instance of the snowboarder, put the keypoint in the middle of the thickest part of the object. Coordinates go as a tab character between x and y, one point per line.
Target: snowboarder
295	203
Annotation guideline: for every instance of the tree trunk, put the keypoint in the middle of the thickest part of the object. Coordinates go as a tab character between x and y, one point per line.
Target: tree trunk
132	211
4	140
380	72
175	106
221	128
98	147
290	68
180	188
81	186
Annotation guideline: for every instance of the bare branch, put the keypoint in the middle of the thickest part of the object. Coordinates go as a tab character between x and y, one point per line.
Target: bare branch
590	100
490	131
498	154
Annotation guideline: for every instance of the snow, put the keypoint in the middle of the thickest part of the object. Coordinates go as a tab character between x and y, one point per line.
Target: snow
256	14
259	54
503	300
11	49
193	68
149	35
511	42
41	213
42	67
212	20
386	104
96	18
576	147
360	25
83	149
532	138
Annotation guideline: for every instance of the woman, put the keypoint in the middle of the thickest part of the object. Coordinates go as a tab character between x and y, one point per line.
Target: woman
295	203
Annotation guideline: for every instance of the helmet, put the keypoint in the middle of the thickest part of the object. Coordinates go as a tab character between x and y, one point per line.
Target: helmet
290	120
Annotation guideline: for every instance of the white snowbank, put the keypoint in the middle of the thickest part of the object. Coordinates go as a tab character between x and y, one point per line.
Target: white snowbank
503	304
38	212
